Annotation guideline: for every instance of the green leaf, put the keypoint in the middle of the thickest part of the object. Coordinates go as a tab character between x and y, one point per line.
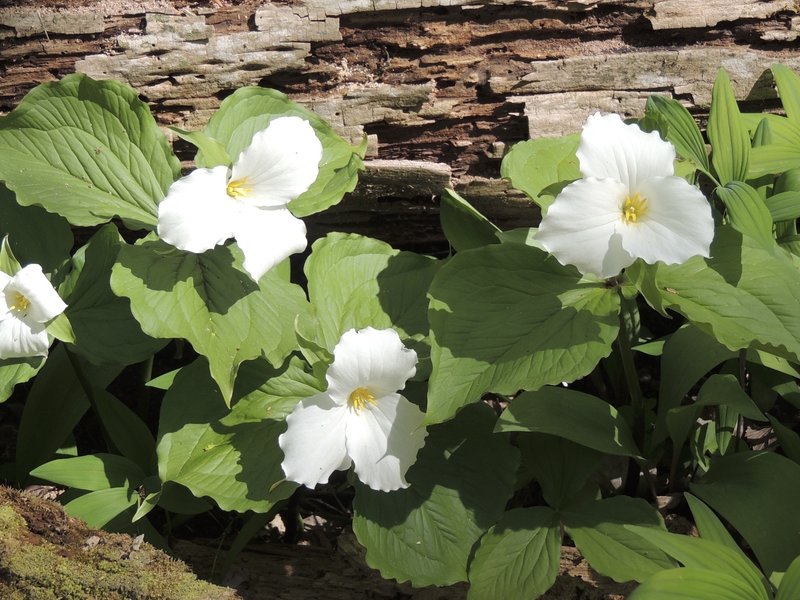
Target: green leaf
55	404
355	281
600	533
458	488
697	553
730	143
127	431
88	151
682	130
688	355
573	415
709	525
35	235
732	295
231	455
691	584
561	467
787	438
100	507
789	588
205	299
533	166
757	493
105	330
518	558
784	206
509	317
17	370
463	225
92	472
747	212
250	109
789	90
724	390
213	153
772	159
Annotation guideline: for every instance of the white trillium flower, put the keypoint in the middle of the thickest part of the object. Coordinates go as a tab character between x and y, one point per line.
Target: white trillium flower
248	201
628	205
359	419
27	302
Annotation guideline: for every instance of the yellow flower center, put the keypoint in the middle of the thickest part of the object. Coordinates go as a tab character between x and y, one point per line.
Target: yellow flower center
21	303
238	188
360	398
634	209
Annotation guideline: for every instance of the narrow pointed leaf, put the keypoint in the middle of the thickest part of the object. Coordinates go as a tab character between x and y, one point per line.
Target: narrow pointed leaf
682	130
691	584
730	143
100	507
788	84
463	225
747	212
92	472
709	525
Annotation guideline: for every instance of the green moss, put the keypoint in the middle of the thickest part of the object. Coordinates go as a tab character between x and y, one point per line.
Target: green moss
34	568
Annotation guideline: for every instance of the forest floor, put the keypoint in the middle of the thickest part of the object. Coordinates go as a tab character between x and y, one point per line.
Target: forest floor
319	567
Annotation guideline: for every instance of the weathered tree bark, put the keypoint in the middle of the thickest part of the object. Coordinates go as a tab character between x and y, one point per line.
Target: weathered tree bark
441	87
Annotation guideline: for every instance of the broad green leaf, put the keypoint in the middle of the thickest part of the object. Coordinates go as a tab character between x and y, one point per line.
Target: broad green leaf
573	415
92	472
88	151
533	166
789	90
787	438
698	553
784	206
250	109
231	455
518	558
508	317
17	370
688	355
105	330
458	488
757	493
789	588
100	507
126	430
35	235
747	212
732	295
730	144
561	467
762	136
772	159
691	584
213	152
205	299
355	281
55	404
724	390
682	130
782	130
463	225
709	525
600	533
8	262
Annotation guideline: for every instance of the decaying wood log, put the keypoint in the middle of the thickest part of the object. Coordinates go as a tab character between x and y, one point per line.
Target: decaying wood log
441	87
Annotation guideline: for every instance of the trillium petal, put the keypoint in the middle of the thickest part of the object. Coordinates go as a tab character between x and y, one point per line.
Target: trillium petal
19	339
374	359
197	213
44	301
580	224
314	443
267	236
611	148
383	440
678	223
280	163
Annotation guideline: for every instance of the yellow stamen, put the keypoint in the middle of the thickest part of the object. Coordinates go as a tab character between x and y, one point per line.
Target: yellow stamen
634	209
21	303
360	398
238	188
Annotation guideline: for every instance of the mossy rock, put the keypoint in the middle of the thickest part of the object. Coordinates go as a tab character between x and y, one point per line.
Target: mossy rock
46	555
